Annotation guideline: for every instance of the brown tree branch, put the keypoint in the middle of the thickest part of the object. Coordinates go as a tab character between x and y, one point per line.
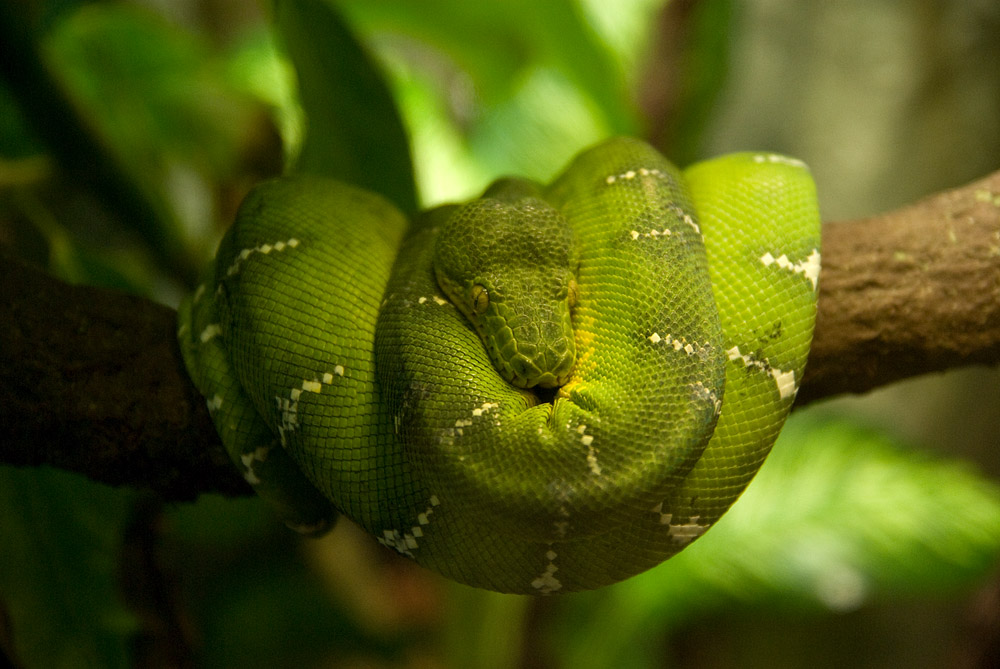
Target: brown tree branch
912	291
92	380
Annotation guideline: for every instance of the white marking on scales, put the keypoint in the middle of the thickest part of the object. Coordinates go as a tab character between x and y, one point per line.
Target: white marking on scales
681	215
447	435
404	542
784	380
210	332
705	394
809	268
681	344
588	441
437	299
547	582
652	234
685	533
264	248
289	406
682	533
258	455
632	174
483	408
777	158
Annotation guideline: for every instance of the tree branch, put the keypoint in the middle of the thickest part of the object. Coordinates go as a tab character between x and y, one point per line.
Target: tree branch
92	380
912	291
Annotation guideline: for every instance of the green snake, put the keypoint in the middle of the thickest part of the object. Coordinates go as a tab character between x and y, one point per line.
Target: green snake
546	389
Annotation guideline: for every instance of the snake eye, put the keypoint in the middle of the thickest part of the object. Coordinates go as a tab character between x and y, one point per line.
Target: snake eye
480	298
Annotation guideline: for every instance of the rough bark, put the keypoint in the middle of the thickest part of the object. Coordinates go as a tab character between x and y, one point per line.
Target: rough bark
912	291
92	380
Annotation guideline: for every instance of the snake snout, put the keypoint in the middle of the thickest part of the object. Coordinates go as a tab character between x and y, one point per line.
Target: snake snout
546	364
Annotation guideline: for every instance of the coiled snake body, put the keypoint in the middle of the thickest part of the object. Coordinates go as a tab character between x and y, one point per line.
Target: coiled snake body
546	389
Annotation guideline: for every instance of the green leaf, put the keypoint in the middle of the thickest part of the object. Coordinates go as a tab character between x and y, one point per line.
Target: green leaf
155	93
842	514
59	544
484	629
16	140
495	42
839	516
353	130
163	119
499	88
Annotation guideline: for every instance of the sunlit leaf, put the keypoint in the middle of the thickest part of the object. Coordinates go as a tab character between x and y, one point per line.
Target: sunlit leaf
496	41
153	91
491	89
353	132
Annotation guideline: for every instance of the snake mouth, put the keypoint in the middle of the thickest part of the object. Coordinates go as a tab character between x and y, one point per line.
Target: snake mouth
546	395
550	367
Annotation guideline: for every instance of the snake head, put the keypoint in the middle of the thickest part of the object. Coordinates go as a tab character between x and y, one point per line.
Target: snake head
508	264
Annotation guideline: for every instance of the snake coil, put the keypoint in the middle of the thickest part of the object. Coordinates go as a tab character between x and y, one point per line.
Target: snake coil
546	389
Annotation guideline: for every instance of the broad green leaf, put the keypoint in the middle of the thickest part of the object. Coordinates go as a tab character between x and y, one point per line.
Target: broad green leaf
496	41
353	132
838	516
256	65
156	100
156	93
510	88
484	629
59	547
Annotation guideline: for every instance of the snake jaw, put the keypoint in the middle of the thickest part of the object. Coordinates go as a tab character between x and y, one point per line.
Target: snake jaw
528	350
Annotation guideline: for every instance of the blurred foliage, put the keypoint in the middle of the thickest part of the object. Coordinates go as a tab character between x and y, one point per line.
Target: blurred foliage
486	94
354	132
60	546
130	131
